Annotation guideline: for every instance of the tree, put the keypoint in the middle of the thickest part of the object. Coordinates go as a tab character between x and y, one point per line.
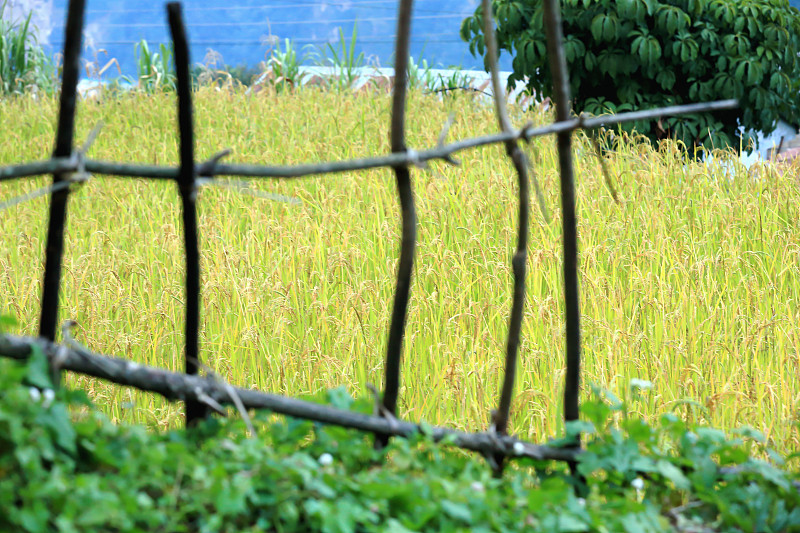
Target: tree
638	54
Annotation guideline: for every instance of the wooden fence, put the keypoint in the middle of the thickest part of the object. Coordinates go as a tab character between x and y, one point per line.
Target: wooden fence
204	394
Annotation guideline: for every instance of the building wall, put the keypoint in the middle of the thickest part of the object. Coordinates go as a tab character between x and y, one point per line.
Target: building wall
242	30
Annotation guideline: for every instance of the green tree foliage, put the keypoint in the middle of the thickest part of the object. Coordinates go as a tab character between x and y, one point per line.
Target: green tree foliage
638	54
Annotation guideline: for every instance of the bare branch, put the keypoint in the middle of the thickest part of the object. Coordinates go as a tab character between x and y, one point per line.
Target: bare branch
519	259
405	265
65	164
178	386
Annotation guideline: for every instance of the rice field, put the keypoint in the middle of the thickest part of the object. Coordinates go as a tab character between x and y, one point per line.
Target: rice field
691	282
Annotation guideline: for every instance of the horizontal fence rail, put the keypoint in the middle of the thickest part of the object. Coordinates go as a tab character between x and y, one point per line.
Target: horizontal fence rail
410	157
205	394
206	390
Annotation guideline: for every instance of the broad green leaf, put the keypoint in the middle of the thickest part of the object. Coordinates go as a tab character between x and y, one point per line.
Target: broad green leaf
459	511
604	27
674	474
568	523
7	322
38	369
57	420
666	78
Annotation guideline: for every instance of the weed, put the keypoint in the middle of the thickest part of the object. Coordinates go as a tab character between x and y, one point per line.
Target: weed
283	66
154	70
346	64
420	75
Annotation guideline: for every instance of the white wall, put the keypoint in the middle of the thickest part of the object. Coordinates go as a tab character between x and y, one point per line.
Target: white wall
771	142
41	19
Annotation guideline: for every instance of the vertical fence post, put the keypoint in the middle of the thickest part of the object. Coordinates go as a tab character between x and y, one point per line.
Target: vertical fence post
518	261
188	191
558	69
408	213
73	33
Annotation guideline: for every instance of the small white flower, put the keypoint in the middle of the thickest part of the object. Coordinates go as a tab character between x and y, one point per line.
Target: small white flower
477	486
49	396
641	384
519	448
582	502
35	394
638	483
325	459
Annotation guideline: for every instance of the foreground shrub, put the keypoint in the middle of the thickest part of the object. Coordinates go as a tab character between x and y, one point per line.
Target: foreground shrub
82	473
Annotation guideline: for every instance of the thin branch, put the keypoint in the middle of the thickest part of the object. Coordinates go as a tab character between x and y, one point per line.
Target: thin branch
42	191
234	396
65	164
91	138
178	386
450	89
246	188
206	168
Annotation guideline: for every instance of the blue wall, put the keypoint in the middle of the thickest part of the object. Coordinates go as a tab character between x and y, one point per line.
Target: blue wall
237	29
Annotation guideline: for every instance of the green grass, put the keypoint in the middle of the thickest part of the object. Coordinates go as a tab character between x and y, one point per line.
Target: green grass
692	282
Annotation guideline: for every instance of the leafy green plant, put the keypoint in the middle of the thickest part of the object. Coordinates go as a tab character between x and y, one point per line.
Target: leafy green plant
283	65
346	64
420	75
6	322
24	66
636	54
153	69
79	472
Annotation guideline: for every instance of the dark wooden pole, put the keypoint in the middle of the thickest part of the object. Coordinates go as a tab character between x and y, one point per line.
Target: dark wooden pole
409	217
187	187
58	199
518	261
561	92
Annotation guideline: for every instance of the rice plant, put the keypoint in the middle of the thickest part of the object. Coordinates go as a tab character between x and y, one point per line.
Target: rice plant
690	282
